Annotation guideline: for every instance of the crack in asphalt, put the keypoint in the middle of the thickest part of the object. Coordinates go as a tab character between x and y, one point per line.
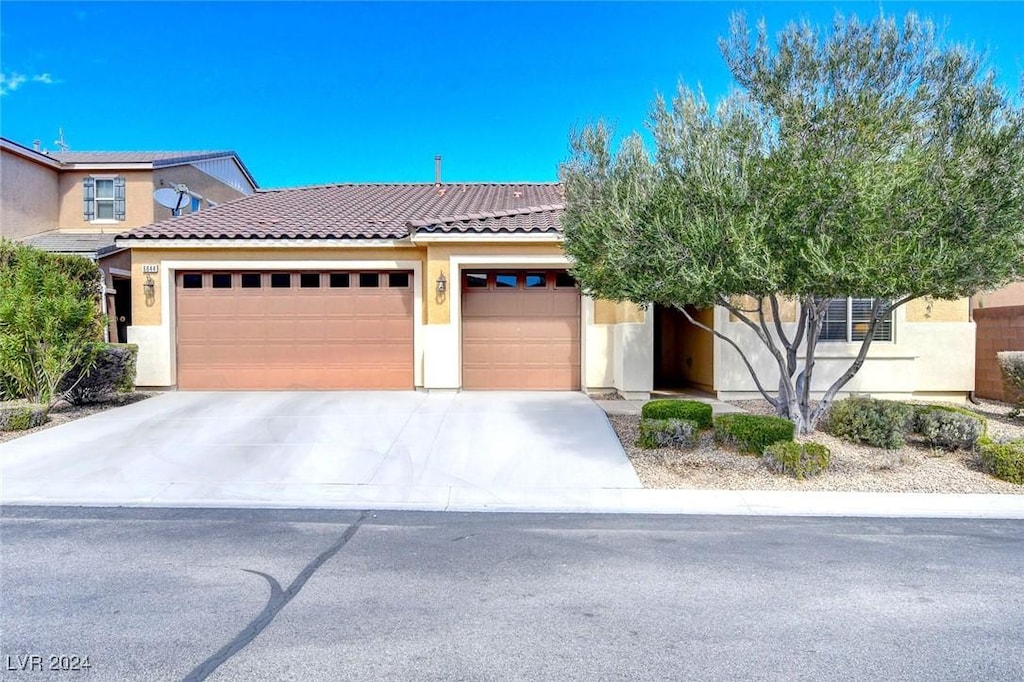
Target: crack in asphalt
278	599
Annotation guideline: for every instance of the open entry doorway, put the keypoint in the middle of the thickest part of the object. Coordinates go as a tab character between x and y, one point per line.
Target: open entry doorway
684	354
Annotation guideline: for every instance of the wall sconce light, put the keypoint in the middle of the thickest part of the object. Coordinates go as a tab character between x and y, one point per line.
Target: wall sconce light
442	283
149	286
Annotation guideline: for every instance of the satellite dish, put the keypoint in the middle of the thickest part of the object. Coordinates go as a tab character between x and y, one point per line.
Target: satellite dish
172	198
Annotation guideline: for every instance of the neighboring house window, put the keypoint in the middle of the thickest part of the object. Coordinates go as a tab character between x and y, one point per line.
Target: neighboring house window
103	199
847	319
195	204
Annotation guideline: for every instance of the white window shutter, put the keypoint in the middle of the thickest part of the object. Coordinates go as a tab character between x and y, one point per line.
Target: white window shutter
88	199
119	199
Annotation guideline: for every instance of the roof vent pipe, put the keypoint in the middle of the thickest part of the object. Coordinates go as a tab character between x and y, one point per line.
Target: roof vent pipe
437	170
35	145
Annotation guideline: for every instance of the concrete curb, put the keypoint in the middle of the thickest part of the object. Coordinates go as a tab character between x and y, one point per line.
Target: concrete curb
570	500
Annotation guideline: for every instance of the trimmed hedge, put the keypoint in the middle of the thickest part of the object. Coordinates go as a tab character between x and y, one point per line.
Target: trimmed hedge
881	423
660	433
796	459
112	373
1003	460
1011	364
20	416
950	428
752	432
691	410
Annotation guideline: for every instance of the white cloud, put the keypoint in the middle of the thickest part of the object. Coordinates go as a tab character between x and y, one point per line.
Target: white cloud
9	82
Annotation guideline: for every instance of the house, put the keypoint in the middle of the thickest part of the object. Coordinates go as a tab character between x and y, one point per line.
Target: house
999	316
454	286
77	202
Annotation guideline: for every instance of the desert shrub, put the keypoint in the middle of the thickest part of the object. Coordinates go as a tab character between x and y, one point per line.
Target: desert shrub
49	319
21	416
692	410
660	433
796	459
1011	364
881	423
752	432
948	427
1003	460
112	372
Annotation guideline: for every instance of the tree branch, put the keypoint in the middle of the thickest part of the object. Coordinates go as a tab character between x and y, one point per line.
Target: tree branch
743	356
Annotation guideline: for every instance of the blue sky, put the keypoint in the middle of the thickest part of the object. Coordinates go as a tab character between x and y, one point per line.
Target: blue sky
333	91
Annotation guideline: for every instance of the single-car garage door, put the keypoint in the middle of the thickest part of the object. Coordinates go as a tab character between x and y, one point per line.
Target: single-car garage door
294	330
520	330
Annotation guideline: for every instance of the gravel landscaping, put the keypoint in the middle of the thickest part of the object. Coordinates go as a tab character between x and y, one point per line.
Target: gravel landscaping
912	468
63	412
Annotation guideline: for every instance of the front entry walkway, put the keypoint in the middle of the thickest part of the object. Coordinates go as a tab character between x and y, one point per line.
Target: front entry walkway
323	449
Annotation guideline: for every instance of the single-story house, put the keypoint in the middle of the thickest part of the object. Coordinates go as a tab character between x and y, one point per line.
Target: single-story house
454	286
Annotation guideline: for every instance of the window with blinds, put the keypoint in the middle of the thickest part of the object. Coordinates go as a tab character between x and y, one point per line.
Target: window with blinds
848	319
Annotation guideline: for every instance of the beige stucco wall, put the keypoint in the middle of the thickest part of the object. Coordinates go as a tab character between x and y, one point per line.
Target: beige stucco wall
1012	295
612	312
138	192
28	196
935	310
926	359
209	187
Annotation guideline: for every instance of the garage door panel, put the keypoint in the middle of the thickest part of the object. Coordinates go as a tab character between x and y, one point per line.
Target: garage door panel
285	338
521	339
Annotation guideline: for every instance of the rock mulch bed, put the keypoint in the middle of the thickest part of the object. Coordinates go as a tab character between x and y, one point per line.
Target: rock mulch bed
63	412
913	468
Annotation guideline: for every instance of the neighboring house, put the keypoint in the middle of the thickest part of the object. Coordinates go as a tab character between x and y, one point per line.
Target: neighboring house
77	202
999	316
453	286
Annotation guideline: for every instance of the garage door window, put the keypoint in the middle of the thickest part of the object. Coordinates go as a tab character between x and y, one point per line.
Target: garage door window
536	279
339	280
281	280
397	280
506	281
251	280
564	280
309	280
192	281
369	280
476	280
222	281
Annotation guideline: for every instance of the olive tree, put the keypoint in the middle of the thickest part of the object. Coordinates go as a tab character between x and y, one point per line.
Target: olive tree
867	160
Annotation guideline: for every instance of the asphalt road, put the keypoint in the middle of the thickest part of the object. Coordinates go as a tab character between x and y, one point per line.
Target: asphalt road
272	595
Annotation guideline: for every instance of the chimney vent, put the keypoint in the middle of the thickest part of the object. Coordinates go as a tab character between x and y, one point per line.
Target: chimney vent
437	170
35	145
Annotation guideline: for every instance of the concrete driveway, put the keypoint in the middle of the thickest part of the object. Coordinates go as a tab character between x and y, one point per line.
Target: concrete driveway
323	449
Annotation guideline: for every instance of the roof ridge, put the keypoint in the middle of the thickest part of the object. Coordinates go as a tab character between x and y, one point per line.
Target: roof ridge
326	185
478	215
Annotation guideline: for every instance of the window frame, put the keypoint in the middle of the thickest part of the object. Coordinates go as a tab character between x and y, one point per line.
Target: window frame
111	201
848	338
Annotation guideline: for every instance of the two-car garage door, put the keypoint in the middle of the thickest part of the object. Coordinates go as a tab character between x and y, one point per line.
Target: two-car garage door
294	330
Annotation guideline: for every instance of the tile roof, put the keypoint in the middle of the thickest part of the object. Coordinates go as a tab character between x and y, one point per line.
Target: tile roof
156	158
368	211
85	244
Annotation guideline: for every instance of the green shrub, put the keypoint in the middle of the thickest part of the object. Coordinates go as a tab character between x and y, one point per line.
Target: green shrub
113	372
660	433
1011	364
881	423
948	427
49	319
692	410
21	416
752	432
1003	460
796	459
